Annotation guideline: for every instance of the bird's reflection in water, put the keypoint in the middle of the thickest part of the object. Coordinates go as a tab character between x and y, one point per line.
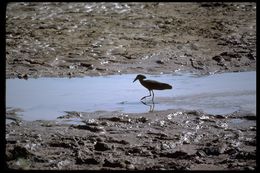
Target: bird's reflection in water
151	105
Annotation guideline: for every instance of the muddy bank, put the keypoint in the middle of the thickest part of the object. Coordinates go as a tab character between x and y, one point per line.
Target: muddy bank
78	39
173	139
88	39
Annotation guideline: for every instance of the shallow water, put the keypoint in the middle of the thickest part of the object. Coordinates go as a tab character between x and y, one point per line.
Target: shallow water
48	98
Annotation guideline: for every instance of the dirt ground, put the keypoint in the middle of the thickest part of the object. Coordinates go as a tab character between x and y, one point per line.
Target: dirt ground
88	39
158	140
77	39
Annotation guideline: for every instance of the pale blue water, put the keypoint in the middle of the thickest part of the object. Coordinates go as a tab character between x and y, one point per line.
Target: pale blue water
48	98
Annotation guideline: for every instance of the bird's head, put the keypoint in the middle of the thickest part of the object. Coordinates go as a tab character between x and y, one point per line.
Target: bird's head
139	77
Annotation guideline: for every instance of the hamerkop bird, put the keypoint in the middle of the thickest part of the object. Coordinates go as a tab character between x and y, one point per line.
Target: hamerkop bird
151	85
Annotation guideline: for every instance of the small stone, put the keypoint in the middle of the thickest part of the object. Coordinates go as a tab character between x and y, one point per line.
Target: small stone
220	116
250	168
130	167
101	146
251	56
136	149
20	151
159	62
177	154
87	160
87	65
212	151
142	119
201	153
113	163
217	58
91	128
23	76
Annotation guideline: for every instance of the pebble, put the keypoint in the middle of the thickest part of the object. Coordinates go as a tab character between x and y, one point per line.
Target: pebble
113	163
130	167
101	146
159	62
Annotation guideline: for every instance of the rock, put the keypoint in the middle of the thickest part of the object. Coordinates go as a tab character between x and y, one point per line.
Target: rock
220	116
100	69
89	66
218	58
251	56
9	156
159	62
246	155
130	167
212	150
63	164
91	122
195	112
231	151
113	163
229	55
198	160
23	76
201	153
95	138
177	154
113	140
222	148
122	119
90	128
250	168
135	149
252	142
142	119
72	114
19	152
61	143
101	146
104	123
114	119
244	115
84	159
196	64
253	128
250	117
212	4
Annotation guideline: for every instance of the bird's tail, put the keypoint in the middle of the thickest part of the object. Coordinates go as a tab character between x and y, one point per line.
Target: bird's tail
167	86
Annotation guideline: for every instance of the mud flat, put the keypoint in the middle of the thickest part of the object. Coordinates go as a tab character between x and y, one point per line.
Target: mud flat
79	39
92	39
159	140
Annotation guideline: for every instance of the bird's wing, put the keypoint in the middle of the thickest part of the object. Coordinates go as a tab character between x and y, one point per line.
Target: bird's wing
152	84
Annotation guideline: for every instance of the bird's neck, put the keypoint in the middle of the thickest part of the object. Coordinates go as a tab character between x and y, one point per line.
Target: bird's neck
141	81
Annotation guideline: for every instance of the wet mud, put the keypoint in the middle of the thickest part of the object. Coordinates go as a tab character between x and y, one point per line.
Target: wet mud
79	39
173	139
90	39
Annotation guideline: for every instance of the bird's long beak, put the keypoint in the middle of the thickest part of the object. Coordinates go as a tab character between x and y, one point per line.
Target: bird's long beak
135	79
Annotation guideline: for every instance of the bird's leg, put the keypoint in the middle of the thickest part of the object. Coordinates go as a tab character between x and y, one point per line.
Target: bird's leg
146	96
153	96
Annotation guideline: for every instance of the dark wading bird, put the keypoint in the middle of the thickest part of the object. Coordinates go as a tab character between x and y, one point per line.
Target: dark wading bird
151	85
